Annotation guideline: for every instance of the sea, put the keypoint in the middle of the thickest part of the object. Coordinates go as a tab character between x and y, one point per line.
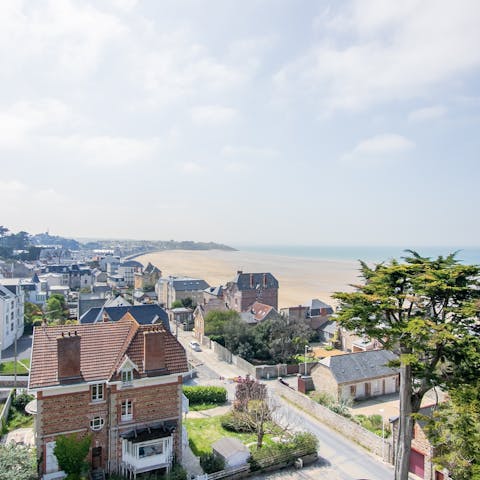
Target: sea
466	255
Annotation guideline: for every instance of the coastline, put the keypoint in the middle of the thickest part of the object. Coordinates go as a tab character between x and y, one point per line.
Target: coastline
300	278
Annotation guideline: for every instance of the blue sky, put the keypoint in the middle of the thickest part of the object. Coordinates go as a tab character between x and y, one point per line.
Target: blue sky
268	122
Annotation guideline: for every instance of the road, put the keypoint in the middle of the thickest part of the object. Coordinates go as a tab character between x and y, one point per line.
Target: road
341	459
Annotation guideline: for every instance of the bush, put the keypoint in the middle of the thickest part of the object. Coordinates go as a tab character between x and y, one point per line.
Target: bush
211	463
20	401
71	452
234	422
373	423
324	399
200	395
305	443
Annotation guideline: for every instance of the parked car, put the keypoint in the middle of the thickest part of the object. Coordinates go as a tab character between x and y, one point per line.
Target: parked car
195	346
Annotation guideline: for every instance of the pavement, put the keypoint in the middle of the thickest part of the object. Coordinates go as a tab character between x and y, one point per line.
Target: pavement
24	348
20	436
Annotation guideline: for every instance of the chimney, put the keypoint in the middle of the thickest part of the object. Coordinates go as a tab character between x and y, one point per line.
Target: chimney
68	356
105	316
264	280
153	350
251	280
239	272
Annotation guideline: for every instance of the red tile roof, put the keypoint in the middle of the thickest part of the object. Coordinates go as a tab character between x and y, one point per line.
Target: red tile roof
103	347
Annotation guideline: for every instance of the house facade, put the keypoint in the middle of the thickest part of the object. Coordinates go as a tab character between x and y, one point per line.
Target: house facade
248	288
120	383
172	288
356	375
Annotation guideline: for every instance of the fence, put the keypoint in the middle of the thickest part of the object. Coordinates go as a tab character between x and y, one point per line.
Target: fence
354	431
6	409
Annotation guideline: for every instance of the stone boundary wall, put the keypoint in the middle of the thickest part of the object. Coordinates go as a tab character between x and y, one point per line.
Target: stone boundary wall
343	425
257	371
8	381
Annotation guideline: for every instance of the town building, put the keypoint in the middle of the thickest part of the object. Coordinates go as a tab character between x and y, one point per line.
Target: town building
34	290
11	314
115	309
356	375
248	288
121	383
259	312
171	289
147	279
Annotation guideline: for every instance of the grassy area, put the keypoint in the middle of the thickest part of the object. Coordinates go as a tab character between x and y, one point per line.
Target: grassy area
18	419
202	432
203	406
7	368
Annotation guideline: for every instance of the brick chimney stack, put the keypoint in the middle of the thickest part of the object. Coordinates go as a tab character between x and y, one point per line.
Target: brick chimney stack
154	350
68	354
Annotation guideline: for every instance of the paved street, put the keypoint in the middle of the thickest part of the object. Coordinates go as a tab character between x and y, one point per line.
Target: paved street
341	459
24	345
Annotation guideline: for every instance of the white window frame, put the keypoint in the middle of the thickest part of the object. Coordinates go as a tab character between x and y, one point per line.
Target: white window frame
97	423
98	392
127	376
127	410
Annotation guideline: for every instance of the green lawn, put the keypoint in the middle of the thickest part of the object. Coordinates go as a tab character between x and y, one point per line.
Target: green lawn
202	432
203	406
7	368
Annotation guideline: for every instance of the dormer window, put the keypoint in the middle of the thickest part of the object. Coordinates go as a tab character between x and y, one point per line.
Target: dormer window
127	377
97	391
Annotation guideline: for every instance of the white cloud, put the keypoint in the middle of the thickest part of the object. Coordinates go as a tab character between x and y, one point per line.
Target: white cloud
246	152
23	119
192	168
59	39
376	51
379	147
427	113
106	151
213	115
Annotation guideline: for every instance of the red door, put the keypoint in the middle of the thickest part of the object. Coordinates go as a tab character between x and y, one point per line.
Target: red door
417	463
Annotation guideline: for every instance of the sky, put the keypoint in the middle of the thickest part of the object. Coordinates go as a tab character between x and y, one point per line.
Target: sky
256	122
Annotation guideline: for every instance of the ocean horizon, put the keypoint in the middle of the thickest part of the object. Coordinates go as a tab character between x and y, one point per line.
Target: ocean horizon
466	255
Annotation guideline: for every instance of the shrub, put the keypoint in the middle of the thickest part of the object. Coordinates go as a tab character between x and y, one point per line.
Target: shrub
17	463
304	442
235	422
211	463
20	401
324	399
201	394
71	452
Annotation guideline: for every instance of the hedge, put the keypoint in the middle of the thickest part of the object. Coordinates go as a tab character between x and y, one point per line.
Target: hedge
200	394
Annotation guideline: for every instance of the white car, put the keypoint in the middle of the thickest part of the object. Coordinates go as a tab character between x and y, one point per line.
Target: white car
195	346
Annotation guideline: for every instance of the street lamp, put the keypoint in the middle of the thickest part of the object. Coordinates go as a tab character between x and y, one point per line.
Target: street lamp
383	434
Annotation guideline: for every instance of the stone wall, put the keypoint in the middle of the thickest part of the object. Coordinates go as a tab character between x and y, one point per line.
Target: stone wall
343	425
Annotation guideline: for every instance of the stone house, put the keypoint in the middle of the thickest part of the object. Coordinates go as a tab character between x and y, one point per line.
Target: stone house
422	451
248	288
259	312
119	382
148	278
172	288
200	312
356	375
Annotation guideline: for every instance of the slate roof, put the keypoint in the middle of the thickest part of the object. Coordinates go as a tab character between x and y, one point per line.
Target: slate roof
257	312
252	281
131	263
359	366
215	291
189	284
317	304
143	314
329	327
103	348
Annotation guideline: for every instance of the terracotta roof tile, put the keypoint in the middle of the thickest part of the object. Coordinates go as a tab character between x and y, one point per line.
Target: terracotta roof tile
103	347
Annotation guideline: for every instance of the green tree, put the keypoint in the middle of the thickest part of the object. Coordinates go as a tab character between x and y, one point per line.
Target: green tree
32	312
57	309
423	310
17	462
71	452
177	304
454	430
215	321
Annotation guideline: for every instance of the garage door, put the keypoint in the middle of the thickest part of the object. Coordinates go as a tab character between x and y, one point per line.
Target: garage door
417	463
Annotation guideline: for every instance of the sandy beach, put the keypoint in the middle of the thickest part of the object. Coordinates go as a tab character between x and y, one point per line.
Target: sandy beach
300	279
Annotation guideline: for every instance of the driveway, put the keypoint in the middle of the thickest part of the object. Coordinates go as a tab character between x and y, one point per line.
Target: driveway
24	347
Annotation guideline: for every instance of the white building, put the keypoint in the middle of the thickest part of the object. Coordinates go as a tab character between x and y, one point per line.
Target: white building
11	315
